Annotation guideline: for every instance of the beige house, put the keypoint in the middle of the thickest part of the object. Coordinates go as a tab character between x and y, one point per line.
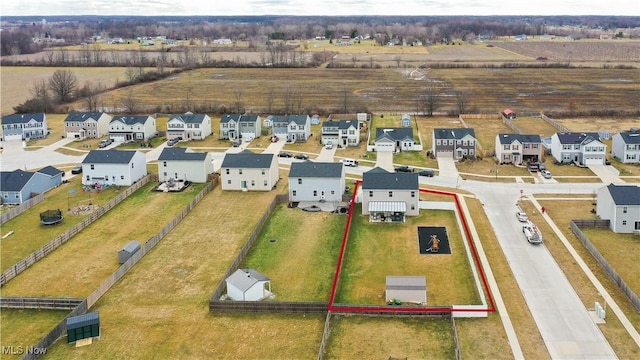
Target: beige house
87	125
518	148
247	171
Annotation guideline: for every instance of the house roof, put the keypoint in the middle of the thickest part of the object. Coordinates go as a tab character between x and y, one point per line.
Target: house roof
249	118
522	138
577	138
76	322
297	119
22	118
508	111
340	124
131	119
131	247
625	194
189	118
316	169
244	279
108	157
396	134
630	137
183	154
14	180
227	117
247	159
50	170
83	116
406	283
377	180
454	133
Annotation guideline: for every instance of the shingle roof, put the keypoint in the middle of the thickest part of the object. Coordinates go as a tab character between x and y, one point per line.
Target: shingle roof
244	279
316	169
247	159
179	153
131	119
22	118
630	137
189	118
298	119
397	134
82	116
454	134
376	180
249	118
108	157
340	124
14	180
50	170
522	138
625	194
577	138
227	117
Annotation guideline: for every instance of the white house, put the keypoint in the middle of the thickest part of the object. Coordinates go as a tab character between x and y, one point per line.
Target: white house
341	133
132	128
189	126
316	181
248	285
295	128
394	139
234	126
582	148
388	197
83	125
518	148
183	164
625	146
247	171
113	167
620	204
24	126
405	120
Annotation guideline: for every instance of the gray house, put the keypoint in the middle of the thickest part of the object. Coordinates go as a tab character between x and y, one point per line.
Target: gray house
18	186
24	126
341	133
620	204
625	146
394	139
234	126
457	143
584	148
388	197
295	128
316	181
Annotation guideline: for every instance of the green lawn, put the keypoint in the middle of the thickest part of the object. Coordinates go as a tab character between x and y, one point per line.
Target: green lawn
25	327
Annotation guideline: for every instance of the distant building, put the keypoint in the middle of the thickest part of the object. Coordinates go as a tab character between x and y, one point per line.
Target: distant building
24	126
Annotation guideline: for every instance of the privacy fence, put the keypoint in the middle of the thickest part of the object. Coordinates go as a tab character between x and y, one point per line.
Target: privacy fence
553	123
7	302
19	209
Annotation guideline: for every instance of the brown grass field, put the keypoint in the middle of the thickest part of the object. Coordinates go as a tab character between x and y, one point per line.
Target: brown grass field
24	327
575	51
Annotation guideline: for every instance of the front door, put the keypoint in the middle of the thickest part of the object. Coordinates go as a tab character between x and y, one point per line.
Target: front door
243	184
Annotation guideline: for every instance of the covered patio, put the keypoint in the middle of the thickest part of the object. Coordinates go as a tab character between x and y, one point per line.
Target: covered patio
387	211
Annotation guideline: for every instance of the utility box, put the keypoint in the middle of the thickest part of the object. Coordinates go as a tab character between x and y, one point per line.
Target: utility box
127	251
83	327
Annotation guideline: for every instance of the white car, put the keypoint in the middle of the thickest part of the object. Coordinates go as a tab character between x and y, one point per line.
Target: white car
328	146
349	162
522	216
546	174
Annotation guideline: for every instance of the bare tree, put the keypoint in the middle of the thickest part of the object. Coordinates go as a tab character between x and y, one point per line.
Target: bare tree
354	60
397	59
129	102
270	98
462	101
287	99
238	100
90	93
40	95
63	83
429	101
345	101
131	74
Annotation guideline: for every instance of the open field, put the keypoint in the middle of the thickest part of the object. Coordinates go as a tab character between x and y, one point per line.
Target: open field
618	51
24	327
611	125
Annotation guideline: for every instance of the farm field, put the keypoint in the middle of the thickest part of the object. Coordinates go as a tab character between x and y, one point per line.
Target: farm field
589	51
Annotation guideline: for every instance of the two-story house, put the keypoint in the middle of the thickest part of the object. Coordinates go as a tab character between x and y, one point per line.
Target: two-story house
183	164
248	171
394	139
341	133
113	167
234	126
189	126
129	128
24	126
454	143
625	146
316	181
293	128
18	186
389	197
518	148
620	204
87	125
582	148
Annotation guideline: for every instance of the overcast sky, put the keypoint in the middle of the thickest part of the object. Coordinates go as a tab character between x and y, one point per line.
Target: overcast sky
320	7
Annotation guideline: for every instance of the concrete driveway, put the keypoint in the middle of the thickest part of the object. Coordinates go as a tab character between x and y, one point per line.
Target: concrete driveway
326	155
275	147
607	173
447	167
384	159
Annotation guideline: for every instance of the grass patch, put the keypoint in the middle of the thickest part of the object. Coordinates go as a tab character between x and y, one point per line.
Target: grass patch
486	131
534	126
24	327
70	151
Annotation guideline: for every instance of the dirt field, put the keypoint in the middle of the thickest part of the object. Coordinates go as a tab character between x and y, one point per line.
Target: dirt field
580	51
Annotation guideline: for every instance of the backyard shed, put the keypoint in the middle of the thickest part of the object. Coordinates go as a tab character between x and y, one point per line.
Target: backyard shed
248	285
83	327
127	251
509	114
407	289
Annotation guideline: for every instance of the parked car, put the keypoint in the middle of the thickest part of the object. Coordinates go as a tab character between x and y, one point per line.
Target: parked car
105	143
403	168
77	169
328	145
522	216
349	162
546	174
302	156
173	141
533	166
274	139
426	172
541	166
285	154
236	143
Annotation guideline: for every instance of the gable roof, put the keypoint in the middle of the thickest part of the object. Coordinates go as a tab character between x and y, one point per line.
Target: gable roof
244	279
630	137
577	138
180	153
50	170
453	133
249	118
83	116
508	112
247	159
189	118
340	124
396	134
377	180
297	119
22	118
522	138
108	157
227	117
131	119
316	169
14	180
625	194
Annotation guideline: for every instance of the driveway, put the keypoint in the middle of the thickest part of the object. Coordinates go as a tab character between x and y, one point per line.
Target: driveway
447	167
384	159
607	173
275	147
326	155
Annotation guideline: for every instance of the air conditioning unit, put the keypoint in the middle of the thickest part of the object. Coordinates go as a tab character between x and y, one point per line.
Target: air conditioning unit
636	232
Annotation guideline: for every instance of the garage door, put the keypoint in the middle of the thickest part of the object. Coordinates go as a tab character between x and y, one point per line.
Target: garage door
444	154
385	147
593	161
117	138
13	137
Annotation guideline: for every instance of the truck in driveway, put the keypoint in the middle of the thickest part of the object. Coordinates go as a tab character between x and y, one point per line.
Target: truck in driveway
532	233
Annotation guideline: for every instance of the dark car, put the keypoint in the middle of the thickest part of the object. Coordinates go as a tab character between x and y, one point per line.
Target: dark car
426	172
302	156
404	168
173	141
77	169
285	154
533	166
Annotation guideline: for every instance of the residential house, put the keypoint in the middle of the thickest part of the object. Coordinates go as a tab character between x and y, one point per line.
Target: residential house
342	133
189	126
394	139
293	128
24	126
87	125
389	197
248	285
405	121
582	148
248	171
183	164
113	167
620	204
18	186
129	128
518	148
457	143
625	146
234	126
316	181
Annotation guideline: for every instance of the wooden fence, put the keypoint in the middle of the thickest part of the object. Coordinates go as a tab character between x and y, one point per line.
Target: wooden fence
325	336
510	123
551	122
575	227
455	338
52	245
39	303
283	307
481	116
437	311
19	209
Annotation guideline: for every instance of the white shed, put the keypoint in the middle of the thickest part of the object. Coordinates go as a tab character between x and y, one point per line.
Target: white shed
248	285
407	289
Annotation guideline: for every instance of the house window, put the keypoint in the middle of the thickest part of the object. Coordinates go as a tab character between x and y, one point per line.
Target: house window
88	178
293	192
413	207
229	181
413	194
164	163
315	192
624	222
637	225
299	181
370	193
506	147
438	142
263	171
92	167
470	151
121	177
451	142
333	192
253	183
240	171
227	171
265	183
390	193
132	165
471	142
624	209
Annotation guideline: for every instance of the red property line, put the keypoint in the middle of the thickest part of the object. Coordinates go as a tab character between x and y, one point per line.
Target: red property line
336	276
